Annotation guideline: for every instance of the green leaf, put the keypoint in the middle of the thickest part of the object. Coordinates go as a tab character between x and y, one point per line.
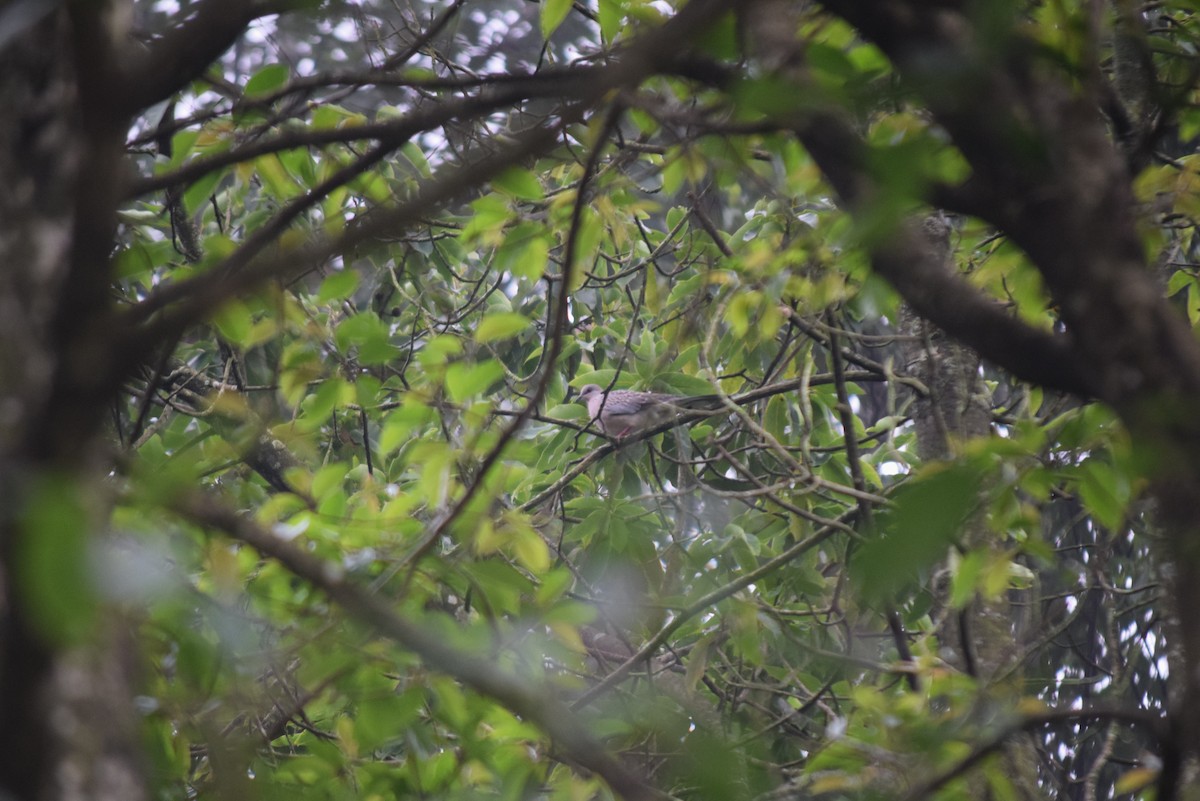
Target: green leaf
386	719
198	194
520	184
830	62
1104	492
181	146
330	115
501	325
553	14
368	336
275	177
674	172
554	584
328	479
338	286
234	322
967	578
412	152
683	384
438	350
1135	780
601	377
134	261
400	424
490	213
266	81
318	405
926	516
503	584
50	559
720	39
465	380
525	251
610	14
530	550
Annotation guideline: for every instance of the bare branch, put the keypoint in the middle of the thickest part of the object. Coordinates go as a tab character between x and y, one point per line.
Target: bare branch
1155	722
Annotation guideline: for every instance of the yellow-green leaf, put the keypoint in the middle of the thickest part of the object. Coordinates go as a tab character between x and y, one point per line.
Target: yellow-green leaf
519	183
500	325
553	14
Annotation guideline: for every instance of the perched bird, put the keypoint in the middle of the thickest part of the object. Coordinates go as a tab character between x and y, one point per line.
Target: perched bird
621	412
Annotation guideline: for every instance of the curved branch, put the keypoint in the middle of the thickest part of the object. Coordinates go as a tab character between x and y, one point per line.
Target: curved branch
906	259
184	52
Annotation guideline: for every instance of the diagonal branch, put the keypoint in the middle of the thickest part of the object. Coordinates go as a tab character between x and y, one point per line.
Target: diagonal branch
184	52
395	132
555	331
707	601
907	260
1050	177
529	700
172	308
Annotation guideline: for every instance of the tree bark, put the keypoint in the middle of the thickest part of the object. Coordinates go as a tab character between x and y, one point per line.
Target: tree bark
1046	173
66	704
979	638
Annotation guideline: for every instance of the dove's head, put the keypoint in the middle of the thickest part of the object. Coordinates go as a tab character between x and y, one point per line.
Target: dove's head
588	391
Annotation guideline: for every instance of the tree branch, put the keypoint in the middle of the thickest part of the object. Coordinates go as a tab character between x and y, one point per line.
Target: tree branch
703	603
906	259
531	701
394	132
173	307
184	52
1054	183
1156	723
194	298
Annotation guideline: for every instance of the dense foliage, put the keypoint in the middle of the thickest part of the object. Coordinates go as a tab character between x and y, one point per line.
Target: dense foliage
295	471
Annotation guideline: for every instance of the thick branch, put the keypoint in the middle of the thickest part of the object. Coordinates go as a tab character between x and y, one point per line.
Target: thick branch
907	260
184	52
1054	182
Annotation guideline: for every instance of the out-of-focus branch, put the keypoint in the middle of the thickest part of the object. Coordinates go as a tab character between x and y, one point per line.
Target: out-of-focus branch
531	701
702	604
906	260
185	51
